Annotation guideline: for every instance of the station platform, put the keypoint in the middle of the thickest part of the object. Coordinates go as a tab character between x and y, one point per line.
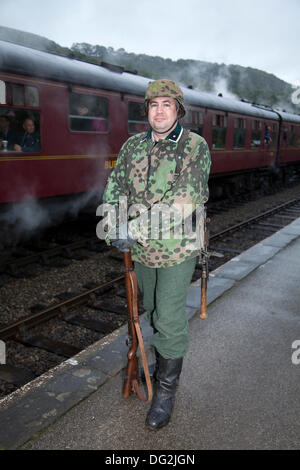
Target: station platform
240	384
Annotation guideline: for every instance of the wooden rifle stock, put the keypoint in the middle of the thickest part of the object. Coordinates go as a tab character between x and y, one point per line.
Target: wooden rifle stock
132	365
131	382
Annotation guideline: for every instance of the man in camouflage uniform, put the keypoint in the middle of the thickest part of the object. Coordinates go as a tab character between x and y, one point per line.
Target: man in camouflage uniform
163	171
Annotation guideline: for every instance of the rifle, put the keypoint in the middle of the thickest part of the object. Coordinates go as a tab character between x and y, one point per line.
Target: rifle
205	271
205	255
135	339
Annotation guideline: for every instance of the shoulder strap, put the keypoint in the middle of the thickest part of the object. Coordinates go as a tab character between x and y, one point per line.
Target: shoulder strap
179	152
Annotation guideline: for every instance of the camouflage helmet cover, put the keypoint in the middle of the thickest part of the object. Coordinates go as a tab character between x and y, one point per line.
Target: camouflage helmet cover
168	88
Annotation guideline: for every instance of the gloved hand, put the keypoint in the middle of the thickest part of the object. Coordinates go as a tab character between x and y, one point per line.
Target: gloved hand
125	243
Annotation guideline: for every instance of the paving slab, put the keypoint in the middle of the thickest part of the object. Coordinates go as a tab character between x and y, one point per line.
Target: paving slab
258	254
235	269
44	401
293	228
280	239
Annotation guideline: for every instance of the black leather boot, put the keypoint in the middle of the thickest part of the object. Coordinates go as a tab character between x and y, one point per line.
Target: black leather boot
164	392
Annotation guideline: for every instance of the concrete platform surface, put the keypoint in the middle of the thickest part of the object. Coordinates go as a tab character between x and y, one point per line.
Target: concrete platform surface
240	384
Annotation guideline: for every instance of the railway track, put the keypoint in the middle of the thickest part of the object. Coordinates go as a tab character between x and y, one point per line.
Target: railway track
241	236
41	256
22	330
292	206
12	263
227	242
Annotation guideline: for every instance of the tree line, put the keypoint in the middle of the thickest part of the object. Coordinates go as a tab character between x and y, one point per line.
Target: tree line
247	83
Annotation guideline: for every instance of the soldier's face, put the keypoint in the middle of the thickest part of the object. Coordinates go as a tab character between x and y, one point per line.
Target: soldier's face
162	113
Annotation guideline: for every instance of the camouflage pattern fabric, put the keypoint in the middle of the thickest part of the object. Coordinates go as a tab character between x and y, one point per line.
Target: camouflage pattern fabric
145	174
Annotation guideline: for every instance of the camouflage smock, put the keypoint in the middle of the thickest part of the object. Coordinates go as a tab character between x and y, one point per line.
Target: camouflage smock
144	173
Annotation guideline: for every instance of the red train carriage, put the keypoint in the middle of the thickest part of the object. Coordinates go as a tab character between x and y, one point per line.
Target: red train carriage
80	111
83	113
246	141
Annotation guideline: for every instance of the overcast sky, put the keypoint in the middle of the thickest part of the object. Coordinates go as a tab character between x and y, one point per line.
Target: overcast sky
263	34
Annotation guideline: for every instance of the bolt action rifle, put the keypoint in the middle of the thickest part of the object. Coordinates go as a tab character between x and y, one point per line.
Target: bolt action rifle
204	255
135	339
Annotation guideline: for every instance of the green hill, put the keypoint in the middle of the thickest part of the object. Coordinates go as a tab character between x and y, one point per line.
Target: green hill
231	80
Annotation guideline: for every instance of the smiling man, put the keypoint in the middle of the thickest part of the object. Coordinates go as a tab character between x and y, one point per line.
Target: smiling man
165	172
162	116
30	140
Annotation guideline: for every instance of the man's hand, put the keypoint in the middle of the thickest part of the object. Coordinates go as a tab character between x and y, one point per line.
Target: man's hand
123	239
124	245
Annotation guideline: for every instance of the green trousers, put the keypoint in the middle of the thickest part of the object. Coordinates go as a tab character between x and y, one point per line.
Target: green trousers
164	296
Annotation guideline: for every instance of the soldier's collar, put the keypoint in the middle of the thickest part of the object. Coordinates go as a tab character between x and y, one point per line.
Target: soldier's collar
174	136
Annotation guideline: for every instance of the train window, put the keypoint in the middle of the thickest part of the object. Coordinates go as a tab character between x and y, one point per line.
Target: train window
194	117
194	121
297	136
24	129
239	133
2	92
256	133
188	116
88	113
297	139
256	125
197	117
219	123
18	95
270	135
32	97
284	139
137	122
292	136
274	135
218	120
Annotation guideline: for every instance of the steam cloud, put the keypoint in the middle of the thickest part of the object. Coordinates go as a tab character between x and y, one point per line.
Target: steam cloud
29	217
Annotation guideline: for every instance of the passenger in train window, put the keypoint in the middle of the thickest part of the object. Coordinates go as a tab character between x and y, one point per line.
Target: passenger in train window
268	138
82	111
99	125
87	121
7	133
30	140
82	122
165	171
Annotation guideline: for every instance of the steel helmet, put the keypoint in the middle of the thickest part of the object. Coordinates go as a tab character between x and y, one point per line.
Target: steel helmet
168	88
